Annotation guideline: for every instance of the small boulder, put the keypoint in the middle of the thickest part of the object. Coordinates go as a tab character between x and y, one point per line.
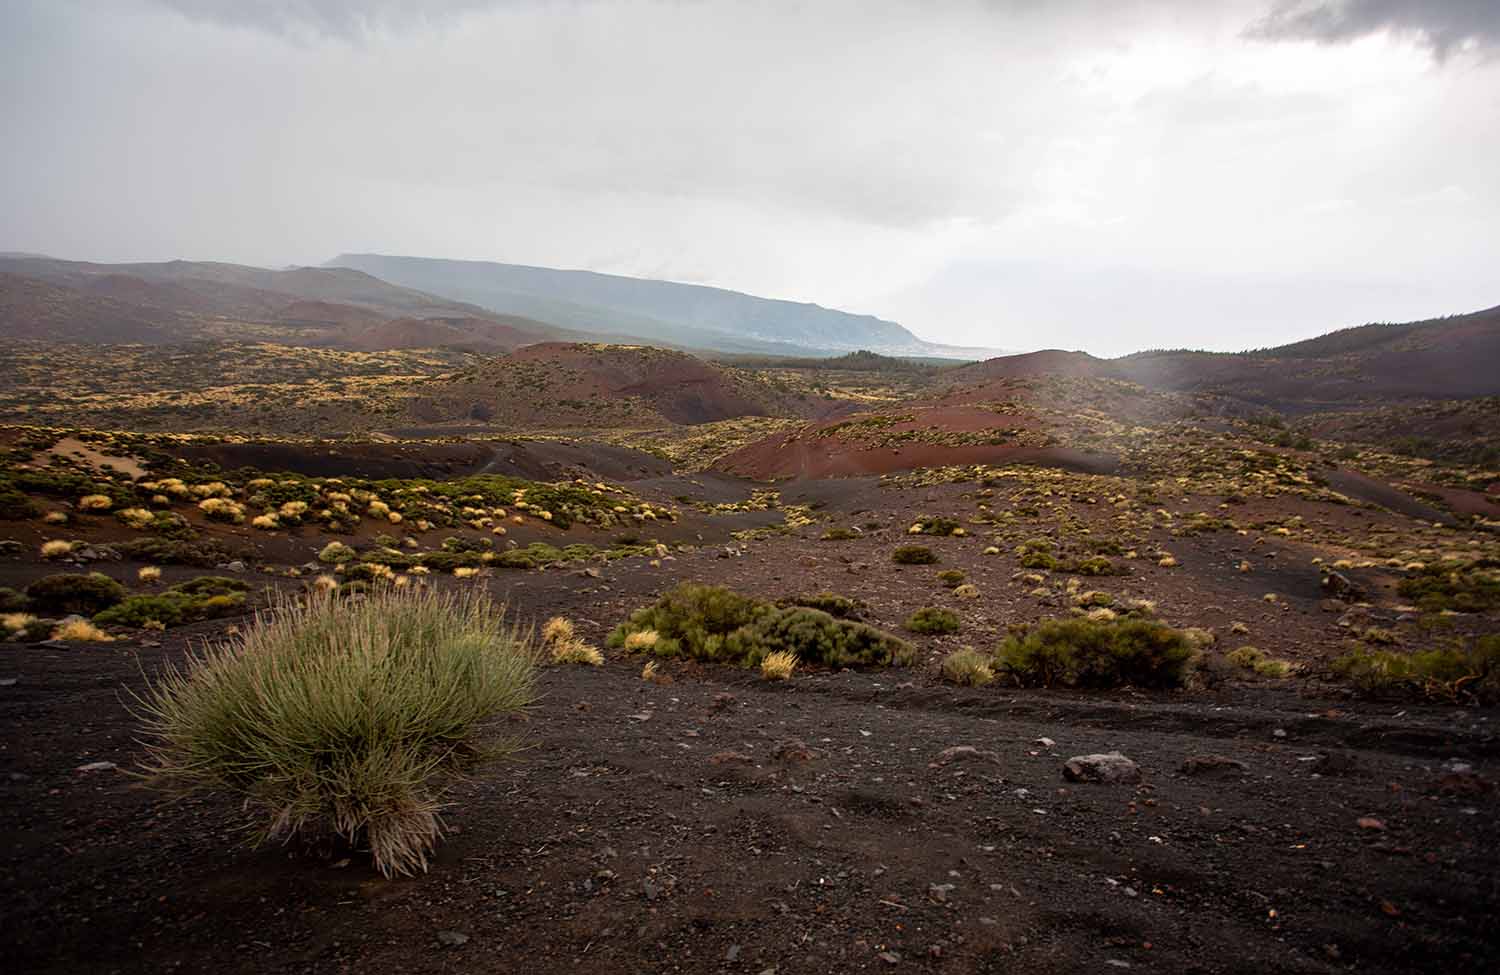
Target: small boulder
965	753
1107	767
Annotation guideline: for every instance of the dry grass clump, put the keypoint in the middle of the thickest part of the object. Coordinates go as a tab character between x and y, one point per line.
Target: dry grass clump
13	623
81	631
778	665
968	668
95	502
1257	661
641	640
148	574
56	549
343	718
137	518
563	643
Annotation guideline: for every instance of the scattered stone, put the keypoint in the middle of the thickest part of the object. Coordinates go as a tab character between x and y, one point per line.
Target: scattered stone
1370	822
452	939
1340	586
11	547
965	753
732	953
96	767
1108	767
235	566
1044	742
889	957
1212	765
939	892
730	758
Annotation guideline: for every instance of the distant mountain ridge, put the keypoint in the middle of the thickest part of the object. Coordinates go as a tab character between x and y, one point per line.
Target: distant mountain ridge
1456	357
662	312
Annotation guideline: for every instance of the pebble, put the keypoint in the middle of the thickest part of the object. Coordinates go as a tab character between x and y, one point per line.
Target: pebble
95	767
452	939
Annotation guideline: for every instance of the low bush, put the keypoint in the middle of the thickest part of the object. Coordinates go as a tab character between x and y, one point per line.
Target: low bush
930	525
1451	585
335	553
11	601
842	607
1257	661
968	668
838	535
914	555
176	606
951	578
211	586
1096	565
718	624
1451	673
1084	652
75	593
169	551
343	717
15	506
932	619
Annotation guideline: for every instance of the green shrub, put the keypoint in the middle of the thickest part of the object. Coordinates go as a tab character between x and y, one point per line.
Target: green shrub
1096	565
75	593
335	553
951	578
15	506
1452	585
344	718
718	624
932	619
838	535
211	586
11	601
1084	652
167	551
1036	553
1448	672
929	525
968	668
172	608
448	561
842	607
914	555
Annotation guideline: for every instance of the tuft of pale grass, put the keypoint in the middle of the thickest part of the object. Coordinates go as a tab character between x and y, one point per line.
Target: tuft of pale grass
56	549
574	651
465	572
148	574
81	631
13	623
55	518
558	629
641	640
95	502
968	668
648	672
325	583
778	665
343	718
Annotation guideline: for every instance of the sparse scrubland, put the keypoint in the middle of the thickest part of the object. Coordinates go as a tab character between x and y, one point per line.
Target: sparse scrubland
860	608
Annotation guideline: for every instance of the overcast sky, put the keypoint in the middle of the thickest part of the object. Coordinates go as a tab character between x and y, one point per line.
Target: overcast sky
1100	174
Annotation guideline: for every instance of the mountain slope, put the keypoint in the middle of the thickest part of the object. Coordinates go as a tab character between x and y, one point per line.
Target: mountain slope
185	301
1445	358
667	312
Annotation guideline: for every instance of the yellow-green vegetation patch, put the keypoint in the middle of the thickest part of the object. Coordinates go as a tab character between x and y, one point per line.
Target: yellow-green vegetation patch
1093	653
717	624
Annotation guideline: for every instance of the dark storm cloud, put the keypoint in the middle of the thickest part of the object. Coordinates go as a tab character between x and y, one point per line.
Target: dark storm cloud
336	18
1442	25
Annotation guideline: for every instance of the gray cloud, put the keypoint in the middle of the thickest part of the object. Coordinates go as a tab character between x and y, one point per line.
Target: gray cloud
350	19
1442	25
849	152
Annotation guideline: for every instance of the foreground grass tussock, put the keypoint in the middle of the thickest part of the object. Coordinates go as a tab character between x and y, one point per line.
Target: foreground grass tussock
343	718
717	624
1096	653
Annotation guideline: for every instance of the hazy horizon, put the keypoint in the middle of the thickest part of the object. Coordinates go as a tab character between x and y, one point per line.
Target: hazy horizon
1108	177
